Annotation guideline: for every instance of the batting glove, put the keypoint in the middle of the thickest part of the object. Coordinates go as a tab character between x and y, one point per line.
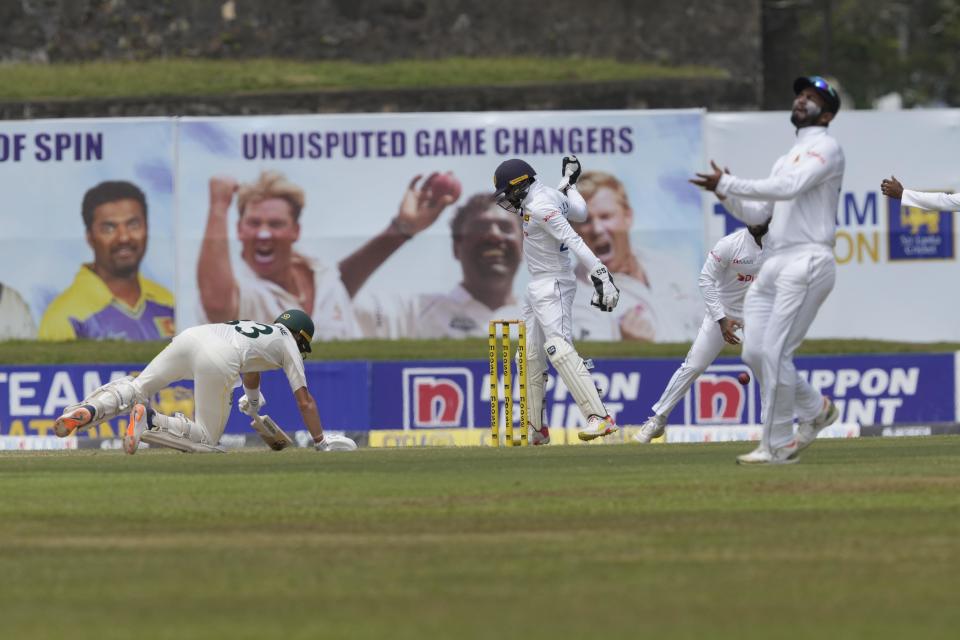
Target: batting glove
251	402
606	295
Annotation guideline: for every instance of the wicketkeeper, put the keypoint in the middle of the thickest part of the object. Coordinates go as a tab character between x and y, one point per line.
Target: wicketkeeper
213	356
548	241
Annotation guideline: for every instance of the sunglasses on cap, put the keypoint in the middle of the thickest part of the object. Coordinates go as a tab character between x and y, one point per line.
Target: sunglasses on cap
822	84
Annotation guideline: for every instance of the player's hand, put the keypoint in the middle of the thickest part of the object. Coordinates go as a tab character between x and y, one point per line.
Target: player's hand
222	189
420	207
606	295
891	188
251	407
728	328
709	181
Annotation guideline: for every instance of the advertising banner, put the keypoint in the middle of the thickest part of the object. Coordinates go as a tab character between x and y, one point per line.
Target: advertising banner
443	395
87	249
884	389
892	261
383	226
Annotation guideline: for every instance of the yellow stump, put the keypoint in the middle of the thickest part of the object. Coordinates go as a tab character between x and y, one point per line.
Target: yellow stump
504	340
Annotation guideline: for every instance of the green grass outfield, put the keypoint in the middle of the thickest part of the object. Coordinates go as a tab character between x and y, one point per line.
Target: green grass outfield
859	540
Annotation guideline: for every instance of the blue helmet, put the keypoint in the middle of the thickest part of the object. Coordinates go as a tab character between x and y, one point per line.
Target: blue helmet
512	180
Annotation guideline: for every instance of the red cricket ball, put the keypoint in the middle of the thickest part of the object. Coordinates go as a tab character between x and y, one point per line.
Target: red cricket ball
744	377
441	184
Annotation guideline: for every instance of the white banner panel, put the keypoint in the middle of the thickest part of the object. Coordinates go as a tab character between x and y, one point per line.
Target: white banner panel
113	279
360	275
895	267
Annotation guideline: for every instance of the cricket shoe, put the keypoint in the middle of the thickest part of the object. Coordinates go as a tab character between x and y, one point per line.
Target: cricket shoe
536	437
654	427
73	419
787	454
139	422
807	431
597	427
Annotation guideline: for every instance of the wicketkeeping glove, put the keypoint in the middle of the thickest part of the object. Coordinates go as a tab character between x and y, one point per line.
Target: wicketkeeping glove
606	295
571	169
251	407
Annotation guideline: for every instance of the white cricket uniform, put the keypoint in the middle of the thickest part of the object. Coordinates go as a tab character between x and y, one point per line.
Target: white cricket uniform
456	314
548	241
798	273
669	309
213	356
931	201
16	322
726	275
263	300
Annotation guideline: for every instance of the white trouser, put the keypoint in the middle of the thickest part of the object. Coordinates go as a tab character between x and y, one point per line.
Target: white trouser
779	309
206	362
548	313
705	348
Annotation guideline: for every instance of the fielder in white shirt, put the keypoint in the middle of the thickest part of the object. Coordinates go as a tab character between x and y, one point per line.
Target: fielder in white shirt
729	270
798	273
926	200
213	356
548	241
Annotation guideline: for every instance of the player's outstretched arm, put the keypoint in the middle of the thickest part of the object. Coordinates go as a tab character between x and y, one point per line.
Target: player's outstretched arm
308	410
419	208
219	294
931	201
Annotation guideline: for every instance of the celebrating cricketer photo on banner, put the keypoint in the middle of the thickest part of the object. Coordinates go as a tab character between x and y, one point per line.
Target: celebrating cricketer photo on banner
88	246
385	226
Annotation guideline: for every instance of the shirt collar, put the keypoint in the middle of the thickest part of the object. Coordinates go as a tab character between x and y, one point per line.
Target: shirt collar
807	133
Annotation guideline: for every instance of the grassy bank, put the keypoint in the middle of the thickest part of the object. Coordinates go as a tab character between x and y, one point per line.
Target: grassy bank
218	77
24	352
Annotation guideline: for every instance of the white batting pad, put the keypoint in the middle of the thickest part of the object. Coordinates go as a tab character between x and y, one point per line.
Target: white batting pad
171	441
574	373
536	382
112	399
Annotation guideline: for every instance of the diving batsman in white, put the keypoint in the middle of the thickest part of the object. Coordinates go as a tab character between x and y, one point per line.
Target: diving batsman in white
802	193
213	356
730	268
548	241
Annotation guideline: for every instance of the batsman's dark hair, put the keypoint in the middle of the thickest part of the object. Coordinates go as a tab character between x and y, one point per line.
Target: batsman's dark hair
110	191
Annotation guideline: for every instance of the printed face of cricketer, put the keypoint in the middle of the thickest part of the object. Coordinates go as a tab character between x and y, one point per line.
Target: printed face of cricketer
489	246
607	229
267	231
118	237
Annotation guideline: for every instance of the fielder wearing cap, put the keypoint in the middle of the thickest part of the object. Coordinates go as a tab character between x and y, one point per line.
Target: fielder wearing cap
802	193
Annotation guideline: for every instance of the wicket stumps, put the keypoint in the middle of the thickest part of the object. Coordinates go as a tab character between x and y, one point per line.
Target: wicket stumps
504	340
